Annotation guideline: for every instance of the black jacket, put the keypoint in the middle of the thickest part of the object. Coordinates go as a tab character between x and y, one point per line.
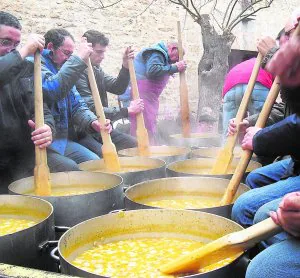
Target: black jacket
105	83
282	138
17	105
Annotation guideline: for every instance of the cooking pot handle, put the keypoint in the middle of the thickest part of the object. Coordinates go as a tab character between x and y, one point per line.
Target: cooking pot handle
44	246
116	210
54	256
61	229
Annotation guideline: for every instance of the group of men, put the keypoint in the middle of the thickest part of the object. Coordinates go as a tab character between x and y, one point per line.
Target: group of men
275	188
71	132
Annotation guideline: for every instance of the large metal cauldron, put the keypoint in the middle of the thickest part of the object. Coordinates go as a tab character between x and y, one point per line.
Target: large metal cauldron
151	222
23	247
166	153
107	195
214	151
136	169
202	167
196	140
137	195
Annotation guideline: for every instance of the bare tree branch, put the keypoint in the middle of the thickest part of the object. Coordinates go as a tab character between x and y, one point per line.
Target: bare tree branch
180	3
242	15
230	14
152	2
98	4
196	10
226	12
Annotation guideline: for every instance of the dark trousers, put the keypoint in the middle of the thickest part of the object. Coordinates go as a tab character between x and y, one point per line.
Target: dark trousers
94	141
15	165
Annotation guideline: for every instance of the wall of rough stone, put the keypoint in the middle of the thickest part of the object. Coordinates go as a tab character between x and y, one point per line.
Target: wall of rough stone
126	24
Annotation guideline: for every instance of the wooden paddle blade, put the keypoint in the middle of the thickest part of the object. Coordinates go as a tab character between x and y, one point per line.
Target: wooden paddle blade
143	141
42	176
228	246
110	156
210	253
224	157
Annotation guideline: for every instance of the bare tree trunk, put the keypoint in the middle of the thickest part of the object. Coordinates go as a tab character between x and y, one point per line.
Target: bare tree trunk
212	69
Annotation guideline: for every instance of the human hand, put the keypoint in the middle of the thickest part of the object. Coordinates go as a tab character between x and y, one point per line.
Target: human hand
128	54
99	127
41	137
85	49
232	128
265	44
136	106
286	63
288	214
247	143
33	43
181	65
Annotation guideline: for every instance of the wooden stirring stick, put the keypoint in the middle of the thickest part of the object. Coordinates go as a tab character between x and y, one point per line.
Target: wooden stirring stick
246	154
109	151
141	131
184	98
41	170
225	156
222	248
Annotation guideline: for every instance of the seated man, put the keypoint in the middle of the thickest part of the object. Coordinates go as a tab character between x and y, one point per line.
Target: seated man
275	180
60	71
17	140
282	259
153	66
107	83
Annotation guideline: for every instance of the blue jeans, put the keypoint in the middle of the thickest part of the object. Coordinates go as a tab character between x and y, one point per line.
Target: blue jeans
267	189
277	261
74	154
233	98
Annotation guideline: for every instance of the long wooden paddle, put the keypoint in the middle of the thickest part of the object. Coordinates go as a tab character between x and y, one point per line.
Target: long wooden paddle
246	154
41	170
109	151
222	248
141	131
184	98
225	156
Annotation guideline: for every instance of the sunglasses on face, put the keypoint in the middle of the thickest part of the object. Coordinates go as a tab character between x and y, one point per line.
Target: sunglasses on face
8	43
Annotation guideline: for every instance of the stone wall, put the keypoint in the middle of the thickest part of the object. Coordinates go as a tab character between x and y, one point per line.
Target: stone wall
126	24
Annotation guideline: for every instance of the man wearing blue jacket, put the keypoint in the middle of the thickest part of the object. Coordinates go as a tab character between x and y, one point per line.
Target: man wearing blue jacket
61	69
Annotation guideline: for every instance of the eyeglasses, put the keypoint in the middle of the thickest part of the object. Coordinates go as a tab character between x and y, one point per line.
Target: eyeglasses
8	43
65	52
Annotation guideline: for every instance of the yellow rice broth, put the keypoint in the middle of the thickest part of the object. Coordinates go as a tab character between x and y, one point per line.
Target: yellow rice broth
181	200
127	168
200	170
138	257
13	220
73	189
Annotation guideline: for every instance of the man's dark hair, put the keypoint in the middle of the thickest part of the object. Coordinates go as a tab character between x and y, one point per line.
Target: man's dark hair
95	37
57	37
9	20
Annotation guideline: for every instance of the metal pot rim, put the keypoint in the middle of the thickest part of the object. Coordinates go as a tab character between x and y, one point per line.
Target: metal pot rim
40	221
62	257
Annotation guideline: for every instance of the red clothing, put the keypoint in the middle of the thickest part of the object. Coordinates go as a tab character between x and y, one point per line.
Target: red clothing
240	74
